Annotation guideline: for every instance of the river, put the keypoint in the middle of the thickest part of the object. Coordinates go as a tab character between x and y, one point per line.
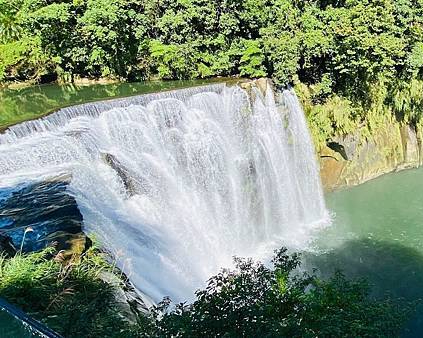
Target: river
26	103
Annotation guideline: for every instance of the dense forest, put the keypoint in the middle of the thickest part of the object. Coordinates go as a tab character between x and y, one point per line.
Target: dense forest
359	58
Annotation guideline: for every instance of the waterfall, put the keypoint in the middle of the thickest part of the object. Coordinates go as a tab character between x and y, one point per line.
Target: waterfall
177	183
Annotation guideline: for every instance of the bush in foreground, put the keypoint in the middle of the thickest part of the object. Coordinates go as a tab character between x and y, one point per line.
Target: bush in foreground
251	300
68	296
255	300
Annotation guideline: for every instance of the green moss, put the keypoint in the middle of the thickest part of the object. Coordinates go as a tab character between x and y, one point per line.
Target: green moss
335	116
386	103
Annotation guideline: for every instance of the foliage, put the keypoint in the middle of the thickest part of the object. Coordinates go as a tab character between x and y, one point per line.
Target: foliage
257	300
251	62
332	117
252	300
342	49
25	59
70	297
349	42
407	101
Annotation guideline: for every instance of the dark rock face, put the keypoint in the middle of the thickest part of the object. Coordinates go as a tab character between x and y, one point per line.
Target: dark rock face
132	182
359	157
44	207
6	246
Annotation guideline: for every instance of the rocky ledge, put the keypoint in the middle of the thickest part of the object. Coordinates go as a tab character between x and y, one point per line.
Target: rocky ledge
356	158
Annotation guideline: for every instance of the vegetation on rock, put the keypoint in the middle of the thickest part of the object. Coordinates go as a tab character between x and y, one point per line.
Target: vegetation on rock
69	296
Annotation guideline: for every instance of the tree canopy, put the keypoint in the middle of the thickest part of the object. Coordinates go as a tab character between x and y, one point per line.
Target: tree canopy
344	44
361	60
276	300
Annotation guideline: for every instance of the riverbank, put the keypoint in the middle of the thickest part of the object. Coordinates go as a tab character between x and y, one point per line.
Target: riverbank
357	141
76	81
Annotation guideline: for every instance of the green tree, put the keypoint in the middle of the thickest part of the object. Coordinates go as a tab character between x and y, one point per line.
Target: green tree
277	301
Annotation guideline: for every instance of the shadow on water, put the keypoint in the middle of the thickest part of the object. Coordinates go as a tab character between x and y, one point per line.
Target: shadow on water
390	268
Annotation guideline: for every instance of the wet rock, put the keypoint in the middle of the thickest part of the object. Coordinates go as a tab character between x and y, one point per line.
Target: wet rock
133	183
410	145
260	84
127	298
6	246
45	207
69	245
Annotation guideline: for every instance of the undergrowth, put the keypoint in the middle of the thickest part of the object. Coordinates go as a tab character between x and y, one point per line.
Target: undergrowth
254	299
68	296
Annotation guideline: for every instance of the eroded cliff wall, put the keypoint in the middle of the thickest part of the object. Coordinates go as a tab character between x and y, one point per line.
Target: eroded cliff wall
354	159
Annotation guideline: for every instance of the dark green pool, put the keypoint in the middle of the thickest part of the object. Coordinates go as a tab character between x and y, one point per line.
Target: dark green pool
377	233
12	328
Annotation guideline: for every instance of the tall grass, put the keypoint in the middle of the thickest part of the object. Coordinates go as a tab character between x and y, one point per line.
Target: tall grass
68	296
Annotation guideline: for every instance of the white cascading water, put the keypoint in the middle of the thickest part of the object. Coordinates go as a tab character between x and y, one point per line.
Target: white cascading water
175	184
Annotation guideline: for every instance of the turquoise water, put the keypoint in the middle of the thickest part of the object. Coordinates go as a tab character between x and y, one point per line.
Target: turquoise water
12	328
377	233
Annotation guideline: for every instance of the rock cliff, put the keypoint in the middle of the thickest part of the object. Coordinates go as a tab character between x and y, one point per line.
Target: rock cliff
355	158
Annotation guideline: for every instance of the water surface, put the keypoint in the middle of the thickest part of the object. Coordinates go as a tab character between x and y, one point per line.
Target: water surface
377	233
13	328
18	105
